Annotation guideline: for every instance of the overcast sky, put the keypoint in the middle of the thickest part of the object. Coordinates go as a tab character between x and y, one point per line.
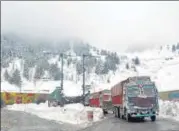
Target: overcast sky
111	25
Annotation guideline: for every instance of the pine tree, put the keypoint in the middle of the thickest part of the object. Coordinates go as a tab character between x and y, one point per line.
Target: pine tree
105	69
39	72
173	48
26	71
99	67
127	66
177	46
108	81
161	47
16	78
6	75
79	68
137	62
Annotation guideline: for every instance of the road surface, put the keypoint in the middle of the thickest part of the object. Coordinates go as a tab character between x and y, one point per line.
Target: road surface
116	124
21	121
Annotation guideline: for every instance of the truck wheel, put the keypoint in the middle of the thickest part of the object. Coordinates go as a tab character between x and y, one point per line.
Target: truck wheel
128	117
49	104
153	118
115	111
122	117
119	115
142	119
104	112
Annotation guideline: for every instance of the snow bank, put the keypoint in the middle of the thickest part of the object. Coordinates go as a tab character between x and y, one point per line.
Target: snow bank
169	109
6	87
71	113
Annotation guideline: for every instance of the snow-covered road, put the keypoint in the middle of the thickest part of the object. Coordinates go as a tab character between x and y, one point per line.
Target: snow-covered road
116	124
21	121
71	113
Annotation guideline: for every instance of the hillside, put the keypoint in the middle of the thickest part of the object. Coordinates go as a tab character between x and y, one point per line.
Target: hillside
37	66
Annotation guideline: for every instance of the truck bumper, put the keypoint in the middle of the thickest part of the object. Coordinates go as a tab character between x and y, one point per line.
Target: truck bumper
142	115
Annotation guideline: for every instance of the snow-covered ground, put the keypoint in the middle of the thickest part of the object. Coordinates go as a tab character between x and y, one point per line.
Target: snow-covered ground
169	109
70	88
77	113
71	113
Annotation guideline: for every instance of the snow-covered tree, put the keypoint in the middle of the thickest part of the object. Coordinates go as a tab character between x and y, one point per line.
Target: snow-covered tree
6	75
137	61
55	72
173	48
79	67
177	46
16	78
127	66
39	72
99	67
26	71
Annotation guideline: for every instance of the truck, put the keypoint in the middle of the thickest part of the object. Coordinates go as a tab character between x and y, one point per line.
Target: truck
56	98
135	97
101	99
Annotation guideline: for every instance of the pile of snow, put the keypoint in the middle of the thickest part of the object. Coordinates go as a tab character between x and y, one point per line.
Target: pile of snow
71	113
169	109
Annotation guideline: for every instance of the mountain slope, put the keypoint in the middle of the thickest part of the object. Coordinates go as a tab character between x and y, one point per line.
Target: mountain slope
39	66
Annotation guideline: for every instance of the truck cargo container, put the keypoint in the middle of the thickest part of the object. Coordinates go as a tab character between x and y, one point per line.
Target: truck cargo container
102	100
135	97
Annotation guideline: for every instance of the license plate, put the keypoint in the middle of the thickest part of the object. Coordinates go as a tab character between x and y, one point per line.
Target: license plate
144	112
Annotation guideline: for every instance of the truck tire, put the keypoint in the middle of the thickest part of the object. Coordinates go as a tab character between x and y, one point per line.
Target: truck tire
153	118
127	116
104	112
117	109
119	114
115	113
142	119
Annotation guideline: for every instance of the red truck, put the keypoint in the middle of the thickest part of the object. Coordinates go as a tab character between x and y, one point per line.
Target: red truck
101	99
135	97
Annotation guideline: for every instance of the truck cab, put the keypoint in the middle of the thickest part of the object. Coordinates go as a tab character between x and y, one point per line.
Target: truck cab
135	97
141	100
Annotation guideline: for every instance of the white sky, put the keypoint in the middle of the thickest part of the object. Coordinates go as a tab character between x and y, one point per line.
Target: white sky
114	25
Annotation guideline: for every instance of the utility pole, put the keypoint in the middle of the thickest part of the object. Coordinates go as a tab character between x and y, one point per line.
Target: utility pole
83	79
61	55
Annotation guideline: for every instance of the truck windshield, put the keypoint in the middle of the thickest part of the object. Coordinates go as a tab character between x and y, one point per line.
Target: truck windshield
133	91
149	90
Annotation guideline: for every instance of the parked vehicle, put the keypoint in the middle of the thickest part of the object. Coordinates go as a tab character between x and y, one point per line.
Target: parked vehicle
135	97
101	99
56	98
